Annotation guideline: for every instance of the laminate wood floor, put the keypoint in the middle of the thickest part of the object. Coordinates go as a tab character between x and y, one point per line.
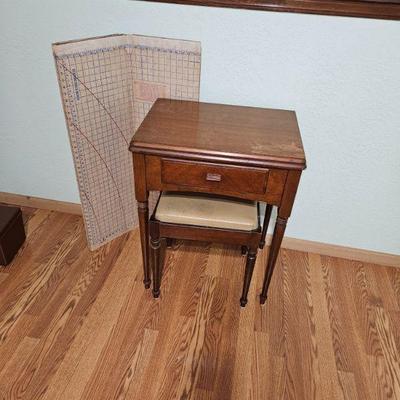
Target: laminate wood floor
80	325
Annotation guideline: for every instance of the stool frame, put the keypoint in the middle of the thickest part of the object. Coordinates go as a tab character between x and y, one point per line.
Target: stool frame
249	241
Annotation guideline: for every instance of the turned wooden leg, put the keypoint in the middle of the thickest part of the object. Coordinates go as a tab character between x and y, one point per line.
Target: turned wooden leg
155	244
143	211
279	231
244	250
251	260
169	242
267	217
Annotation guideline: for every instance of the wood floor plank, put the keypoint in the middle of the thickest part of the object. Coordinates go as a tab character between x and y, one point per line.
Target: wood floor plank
352	356
337	316
381	381
394	278
214	337
296	351
215	255
223	359
20	331
192	289
260	367
329	377
384	285
201	394
271	318
76	324
394	318
307	345
134	375
3	276
241	386
17	362
190	370
170	366
390	351
348	383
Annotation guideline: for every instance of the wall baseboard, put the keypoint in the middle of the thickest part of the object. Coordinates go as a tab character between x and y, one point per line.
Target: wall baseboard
37	202
351	253
309	246
334	250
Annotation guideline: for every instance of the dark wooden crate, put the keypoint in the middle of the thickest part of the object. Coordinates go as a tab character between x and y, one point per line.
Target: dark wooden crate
12	233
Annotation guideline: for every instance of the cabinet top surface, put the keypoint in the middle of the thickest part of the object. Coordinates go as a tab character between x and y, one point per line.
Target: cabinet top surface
222	131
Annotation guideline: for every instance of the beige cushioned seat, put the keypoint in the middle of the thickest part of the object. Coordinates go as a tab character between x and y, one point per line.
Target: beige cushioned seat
204	210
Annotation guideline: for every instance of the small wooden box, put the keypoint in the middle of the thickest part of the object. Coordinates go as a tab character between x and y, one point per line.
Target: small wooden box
12	233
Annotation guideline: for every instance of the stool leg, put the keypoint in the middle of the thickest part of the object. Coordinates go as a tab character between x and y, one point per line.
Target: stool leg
268	211
251	260
155	245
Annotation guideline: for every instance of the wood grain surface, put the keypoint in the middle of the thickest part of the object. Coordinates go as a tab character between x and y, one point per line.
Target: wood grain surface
211	132
76	324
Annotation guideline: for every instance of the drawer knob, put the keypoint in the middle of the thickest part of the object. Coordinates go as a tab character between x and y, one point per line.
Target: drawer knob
213	177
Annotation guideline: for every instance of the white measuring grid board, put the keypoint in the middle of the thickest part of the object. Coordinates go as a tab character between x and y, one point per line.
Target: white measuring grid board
108	85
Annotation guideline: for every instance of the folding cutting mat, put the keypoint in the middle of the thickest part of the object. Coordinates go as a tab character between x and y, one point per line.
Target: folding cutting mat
108	84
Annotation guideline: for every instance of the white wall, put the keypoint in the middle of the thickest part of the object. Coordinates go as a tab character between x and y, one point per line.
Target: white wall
341	75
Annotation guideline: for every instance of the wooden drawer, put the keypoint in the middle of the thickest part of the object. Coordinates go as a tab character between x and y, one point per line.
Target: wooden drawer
238	181
214	176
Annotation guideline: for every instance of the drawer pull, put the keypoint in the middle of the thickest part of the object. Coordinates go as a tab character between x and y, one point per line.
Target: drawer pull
213	177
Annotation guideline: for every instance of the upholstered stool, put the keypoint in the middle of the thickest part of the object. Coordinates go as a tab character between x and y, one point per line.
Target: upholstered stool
207	218
206	210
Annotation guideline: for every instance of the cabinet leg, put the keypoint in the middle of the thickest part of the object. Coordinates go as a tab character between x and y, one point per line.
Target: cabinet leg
143	211
251	260
279	231
155	245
